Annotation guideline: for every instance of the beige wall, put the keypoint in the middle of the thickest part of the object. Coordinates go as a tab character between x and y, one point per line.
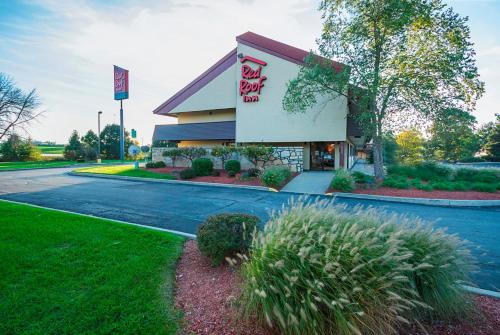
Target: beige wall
217	94
207	116
266	121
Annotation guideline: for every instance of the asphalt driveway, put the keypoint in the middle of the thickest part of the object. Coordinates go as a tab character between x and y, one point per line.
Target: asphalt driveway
183	207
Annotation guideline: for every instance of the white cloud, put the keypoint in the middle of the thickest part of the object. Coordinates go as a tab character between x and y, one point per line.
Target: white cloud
69	56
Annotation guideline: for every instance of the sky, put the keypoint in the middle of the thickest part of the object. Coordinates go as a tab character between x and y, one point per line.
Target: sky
66	50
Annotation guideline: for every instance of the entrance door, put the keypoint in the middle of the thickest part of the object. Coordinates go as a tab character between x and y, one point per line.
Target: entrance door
322	156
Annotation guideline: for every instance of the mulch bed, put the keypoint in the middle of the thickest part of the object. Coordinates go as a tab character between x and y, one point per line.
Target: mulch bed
435	194
208	296
223	178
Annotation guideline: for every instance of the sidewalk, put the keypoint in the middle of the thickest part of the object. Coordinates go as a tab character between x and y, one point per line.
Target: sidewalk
310	182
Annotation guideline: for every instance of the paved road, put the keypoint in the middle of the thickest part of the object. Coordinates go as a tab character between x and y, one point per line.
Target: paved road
183	207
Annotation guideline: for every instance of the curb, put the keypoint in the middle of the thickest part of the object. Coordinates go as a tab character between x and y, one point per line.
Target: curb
166	181
176	232
420	201
480	291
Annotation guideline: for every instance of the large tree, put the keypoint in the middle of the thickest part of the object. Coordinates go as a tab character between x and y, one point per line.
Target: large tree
110	141
17	108
405	59
452	135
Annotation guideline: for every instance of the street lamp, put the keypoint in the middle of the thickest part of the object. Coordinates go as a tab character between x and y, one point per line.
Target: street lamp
99	136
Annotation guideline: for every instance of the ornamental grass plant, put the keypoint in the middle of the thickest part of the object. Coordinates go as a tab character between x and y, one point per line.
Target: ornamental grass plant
317	268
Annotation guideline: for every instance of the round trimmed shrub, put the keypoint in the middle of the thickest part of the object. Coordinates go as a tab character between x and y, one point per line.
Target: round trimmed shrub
203	166
275	176
322	269
343	181
155	165
187	174
232	166
224	235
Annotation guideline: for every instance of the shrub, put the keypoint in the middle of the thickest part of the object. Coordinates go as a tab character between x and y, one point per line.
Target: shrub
275	176
321	269
474	175
231	173
233	166
396	182
215	173
443	185
424	171
484	187
187	174
224	235
362	178
342	181
424	187
155	165
203	166
254	172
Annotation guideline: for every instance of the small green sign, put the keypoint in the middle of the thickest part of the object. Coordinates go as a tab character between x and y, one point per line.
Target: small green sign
134	133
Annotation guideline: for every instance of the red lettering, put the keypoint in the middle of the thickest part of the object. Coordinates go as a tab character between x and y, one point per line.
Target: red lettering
256	83
250	98
248	73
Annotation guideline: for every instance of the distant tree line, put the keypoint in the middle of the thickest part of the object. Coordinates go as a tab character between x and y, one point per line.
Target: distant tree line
85	148
452	137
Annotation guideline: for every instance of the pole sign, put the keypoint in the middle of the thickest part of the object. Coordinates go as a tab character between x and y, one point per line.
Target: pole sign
252	80
121	83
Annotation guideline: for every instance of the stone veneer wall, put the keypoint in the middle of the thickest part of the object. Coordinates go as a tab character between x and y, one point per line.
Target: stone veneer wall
293	157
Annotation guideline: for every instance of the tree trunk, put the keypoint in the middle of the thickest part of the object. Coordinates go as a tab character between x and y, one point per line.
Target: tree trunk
378	159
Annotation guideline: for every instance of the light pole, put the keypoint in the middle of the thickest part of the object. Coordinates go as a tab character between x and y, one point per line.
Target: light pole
99	136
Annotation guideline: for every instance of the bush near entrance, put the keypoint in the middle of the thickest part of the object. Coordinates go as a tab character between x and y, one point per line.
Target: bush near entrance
321	269
276	176
224	235
342	181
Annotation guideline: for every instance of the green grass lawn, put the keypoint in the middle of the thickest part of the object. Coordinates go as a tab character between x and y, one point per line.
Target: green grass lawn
35	165
51	149
69	274
125	170
50	164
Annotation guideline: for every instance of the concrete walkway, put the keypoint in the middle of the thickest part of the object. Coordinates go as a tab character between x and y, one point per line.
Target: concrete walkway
310	182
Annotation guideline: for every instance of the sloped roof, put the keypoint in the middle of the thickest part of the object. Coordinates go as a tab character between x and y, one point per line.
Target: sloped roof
224	130
259	42
223	64
278	49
